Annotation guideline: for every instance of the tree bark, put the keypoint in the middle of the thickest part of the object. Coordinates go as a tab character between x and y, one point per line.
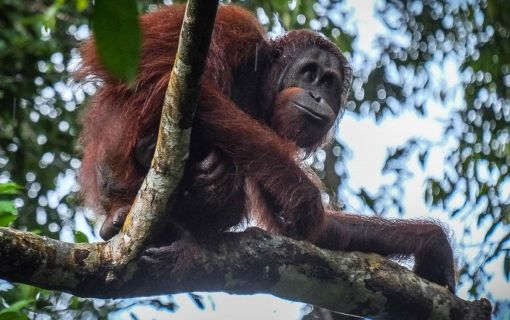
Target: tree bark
241	263
148	211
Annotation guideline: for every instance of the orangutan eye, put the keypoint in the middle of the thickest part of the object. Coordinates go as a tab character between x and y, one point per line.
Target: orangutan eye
309	72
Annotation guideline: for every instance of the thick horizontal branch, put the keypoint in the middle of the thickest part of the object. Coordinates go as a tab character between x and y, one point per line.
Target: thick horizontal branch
241	263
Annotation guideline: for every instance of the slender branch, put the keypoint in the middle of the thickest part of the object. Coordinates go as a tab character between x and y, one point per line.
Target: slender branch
148	212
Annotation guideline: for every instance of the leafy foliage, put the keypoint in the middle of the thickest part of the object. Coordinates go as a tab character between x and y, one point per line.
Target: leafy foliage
38	129
476	36
118	36
39	111
8	212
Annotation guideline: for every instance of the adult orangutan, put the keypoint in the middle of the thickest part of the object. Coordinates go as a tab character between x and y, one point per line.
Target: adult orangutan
263	104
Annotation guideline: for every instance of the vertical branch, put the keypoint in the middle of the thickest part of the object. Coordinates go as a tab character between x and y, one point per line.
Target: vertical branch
149	209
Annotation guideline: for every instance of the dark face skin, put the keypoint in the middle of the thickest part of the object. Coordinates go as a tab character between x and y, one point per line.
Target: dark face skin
309	98
317	71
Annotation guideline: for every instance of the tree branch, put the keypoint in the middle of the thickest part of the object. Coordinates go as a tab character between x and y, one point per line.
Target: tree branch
241	263
148	211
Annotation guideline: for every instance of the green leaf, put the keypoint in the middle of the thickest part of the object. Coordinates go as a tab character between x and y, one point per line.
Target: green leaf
9	188
7	206
49	17
80	237
118	36
8	213
81	5
14	316
7	218
344	42
17	306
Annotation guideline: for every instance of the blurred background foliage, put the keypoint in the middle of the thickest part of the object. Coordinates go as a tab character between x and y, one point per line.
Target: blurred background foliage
40	108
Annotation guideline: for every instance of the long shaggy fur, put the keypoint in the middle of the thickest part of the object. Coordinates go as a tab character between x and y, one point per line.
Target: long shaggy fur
258	168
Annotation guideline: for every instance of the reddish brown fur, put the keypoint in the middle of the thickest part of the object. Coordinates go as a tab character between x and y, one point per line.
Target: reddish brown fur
281	193
121	115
